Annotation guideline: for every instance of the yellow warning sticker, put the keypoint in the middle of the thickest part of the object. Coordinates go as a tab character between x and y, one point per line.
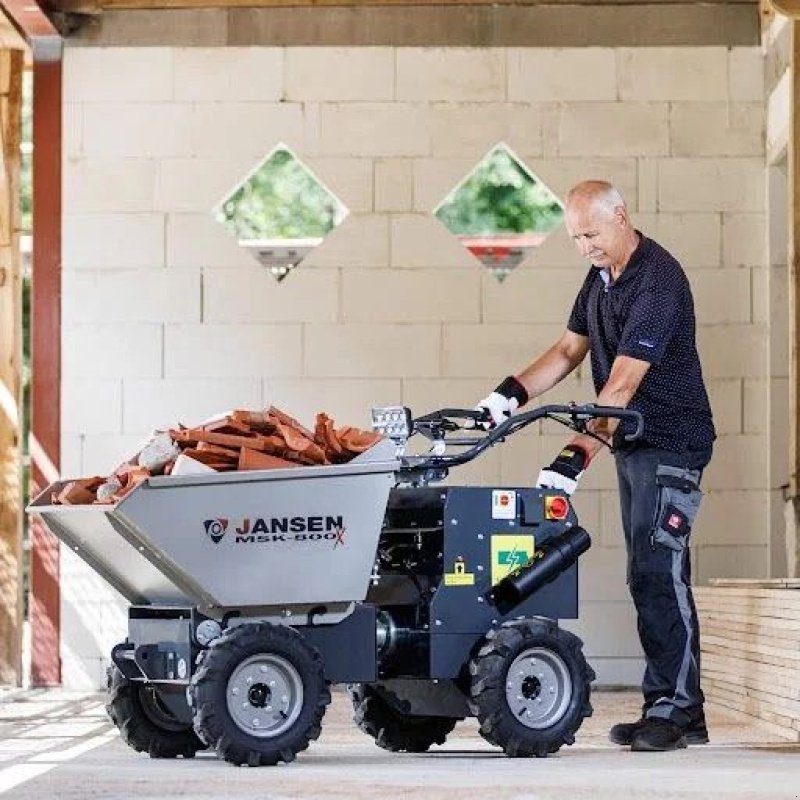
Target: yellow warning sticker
459	576
508	553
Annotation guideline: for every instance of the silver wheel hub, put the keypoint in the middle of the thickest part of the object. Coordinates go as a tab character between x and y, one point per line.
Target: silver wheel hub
264	695
538	688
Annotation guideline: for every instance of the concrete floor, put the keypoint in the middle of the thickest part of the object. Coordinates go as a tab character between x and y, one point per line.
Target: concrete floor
56	745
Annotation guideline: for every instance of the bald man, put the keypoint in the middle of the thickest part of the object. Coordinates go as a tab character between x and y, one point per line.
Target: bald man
635	315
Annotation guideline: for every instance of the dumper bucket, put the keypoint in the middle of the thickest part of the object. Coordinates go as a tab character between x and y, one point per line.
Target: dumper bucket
261	538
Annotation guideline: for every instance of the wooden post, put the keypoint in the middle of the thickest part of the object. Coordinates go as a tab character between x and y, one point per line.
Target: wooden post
793	541
11	66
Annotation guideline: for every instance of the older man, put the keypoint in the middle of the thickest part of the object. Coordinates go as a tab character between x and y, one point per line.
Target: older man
635	315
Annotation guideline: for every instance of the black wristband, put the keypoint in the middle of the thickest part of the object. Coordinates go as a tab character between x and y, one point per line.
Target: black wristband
571	461
511	387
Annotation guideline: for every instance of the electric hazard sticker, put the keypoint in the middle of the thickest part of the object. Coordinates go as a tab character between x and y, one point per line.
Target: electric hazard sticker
459	576
508	553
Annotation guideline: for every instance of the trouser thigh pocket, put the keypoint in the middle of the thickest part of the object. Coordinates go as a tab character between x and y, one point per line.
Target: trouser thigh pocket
678	502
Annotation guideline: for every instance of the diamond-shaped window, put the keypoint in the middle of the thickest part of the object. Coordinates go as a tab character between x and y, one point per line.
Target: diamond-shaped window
501	211
280	212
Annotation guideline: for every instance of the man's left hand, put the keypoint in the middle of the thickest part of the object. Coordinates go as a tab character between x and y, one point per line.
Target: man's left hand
565	472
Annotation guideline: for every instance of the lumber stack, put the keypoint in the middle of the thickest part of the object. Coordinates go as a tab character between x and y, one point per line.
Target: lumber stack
750	643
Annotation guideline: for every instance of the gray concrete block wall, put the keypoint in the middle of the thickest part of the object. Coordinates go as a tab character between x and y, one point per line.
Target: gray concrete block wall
166	320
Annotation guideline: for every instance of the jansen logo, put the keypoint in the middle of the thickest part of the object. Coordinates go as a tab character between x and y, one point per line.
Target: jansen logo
216	528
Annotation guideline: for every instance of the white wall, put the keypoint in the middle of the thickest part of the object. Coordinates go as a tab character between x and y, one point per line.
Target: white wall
165	319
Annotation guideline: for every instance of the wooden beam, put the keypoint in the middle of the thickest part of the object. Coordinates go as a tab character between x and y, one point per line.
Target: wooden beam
11	67
789	8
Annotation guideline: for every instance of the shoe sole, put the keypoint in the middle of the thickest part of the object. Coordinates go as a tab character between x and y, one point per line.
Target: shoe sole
645	748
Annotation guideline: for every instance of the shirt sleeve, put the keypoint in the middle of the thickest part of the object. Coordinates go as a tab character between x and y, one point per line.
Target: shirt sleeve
578	319
650	324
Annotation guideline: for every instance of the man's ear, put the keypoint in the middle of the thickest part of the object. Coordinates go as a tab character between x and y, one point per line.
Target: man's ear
621	216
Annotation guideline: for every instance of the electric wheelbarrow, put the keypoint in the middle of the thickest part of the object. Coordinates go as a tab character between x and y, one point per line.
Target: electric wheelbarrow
251	593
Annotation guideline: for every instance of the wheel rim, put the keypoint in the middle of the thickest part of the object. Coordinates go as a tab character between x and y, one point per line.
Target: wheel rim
264	695
538	688
157	712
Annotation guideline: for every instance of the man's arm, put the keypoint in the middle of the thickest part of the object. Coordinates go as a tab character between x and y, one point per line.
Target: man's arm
555	364
626	375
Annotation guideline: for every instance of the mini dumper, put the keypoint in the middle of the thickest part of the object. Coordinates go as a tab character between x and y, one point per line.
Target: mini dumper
251	593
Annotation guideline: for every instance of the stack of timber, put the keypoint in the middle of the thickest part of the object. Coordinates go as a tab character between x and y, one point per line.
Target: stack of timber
750	643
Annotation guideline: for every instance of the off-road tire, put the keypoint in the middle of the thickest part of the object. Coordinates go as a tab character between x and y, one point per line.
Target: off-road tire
213	721
489	671
144	722
392	730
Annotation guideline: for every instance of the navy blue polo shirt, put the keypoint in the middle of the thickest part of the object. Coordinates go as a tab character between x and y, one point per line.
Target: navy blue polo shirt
648	313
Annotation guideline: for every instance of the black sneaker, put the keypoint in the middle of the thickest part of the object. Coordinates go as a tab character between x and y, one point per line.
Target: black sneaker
623	732
656	735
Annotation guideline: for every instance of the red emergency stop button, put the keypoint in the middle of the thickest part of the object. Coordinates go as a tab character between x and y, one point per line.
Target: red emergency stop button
556	507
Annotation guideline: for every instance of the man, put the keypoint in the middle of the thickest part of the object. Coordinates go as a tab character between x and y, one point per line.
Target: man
635	314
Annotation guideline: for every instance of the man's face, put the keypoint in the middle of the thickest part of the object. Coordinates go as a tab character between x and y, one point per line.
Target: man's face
598	235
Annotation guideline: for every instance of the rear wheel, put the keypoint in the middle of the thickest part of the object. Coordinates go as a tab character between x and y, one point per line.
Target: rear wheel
531	687
145	722
392	730
259	694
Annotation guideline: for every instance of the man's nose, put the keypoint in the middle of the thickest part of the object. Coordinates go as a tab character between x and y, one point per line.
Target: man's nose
584	246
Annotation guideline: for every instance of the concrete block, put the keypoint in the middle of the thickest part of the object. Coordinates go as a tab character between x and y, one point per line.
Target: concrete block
717	129
711	184
672	73
103	453
394	184
694	239
758	411
534	294
422	241
562	75
228	74
483	471
452	74
109	186
725	397
746	74
362	240
411	295
198	240
587	507
435	178
349	179
739	462
614	129
732	351
779	338
111	351
779	432
159	404
647	185
521	456
131	296
602	575
137	130
600	477
112	241
608	630
491	351
429	394
348	400
744	240
374	129
731	562
253	295
611	532
117	75
72	130
246	129
472	129
232	351
721	295
732	518
91	405
779	104
340	75
199	184
71	461
377	350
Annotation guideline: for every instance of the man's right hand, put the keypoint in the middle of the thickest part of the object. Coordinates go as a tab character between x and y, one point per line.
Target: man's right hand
502	402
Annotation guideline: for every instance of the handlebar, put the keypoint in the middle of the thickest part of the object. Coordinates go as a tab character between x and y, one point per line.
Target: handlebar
436	424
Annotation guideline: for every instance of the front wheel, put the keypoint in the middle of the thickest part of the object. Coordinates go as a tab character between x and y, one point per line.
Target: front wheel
145	722
530	687
259	694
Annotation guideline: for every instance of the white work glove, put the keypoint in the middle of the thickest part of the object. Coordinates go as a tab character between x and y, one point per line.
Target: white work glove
565	472
502	402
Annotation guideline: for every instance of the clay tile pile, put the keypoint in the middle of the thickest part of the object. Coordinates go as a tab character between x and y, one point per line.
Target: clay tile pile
242	440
